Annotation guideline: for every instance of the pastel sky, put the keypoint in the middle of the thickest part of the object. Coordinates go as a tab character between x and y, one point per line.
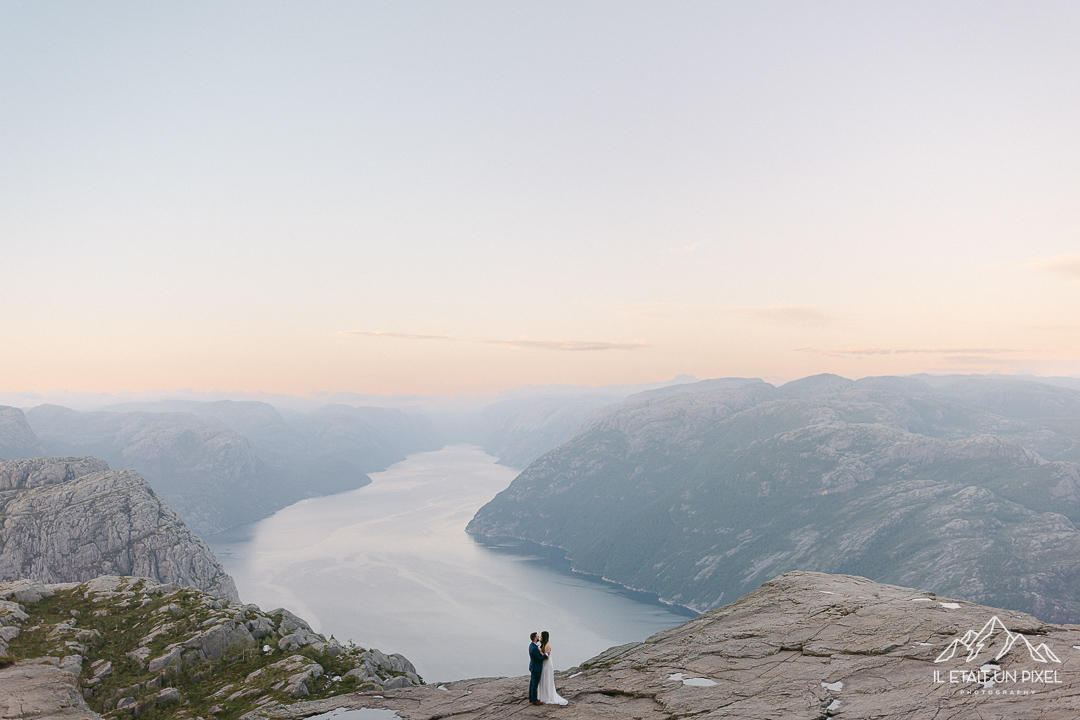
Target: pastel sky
462	197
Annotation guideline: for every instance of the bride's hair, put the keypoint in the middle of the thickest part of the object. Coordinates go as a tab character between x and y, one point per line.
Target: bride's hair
544	637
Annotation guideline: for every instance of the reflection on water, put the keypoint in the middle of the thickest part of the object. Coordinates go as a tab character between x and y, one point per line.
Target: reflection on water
359	714
389	566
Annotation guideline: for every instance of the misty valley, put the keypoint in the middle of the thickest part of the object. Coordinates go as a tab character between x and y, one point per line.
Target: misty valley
367	540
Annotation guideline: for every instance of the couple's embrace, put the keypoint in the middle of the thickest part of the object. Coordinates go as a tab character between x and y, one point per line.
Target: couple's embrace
542	672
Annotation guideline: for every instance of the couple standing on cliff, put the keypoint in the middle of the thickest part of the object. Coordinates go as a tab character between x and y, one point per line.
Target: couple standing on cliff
542	672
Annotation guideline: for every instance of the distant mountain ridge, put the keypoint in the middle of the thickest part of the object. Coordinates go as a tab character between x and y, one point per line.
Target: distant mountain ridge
17	438
224	463
970	488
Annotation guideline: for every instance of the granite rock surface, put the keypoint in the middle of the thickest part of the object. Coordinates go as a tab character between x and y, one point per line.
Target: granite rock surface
803	646
34	690
73	519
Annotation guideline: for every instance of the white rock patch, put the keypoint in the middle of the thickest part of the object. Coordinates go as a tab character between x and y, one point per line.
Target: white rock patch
691	681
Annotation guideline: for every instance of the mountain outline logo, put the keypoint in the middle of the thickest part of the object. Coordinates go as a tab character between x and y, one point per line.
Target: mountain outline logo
976	641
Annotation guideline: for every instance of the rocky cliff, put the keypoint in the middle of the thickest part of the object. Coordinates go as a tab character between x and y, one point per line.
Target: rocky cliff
805	646
17	438
970	489
73	519
35	472
132	646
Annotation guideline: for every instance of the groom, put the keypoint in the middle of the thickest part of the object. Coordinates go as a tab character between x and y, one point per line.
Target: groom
536	666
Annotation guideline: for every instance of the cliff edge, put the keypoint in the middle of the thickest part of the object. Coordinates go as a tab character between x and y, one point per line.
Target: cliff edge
801	647
73	519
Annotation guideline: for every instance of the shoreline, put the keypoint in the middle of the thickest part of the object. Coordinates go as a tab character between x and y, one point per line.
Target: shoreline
556	558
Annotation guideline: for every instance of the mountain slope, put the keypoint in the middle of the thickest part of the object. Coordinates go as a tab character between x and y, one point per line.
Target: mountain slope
699	496
73	519
17	438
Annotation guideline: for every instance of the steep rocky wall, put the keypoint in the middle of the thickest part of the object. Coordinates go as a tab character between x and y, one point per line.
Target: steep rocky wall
17	438
105	522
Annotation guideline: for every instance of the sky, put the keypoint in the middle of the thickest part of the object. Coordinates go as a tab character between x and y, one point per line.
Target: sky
449	198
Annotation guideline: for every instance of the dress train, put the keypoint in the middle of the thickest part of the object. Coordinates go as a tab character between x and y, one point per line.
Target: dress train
546	692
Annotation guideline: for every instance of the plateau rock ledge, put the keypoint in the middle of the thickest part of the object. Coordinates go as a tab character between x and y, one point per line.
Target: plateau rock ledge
803	646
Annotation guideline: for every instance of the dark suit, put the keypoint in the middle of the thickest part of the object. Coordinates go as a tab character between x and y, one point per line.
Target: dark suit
536	666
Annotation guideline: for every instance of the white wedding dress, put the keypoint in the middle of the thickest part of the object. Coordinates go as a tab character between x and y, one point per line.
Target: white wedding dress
546	692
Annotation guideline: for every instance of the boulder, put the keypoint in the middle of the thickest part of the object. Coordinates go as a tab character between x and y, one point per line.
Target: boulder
72	663
213	641
168	695
298	639
24	591
289	623
297	684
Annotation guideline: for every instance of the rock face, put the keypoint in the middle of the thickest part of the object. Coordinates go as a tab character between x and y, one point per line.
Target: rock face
72	519
34	690
970	489
132	645
35	472
17	438
804	646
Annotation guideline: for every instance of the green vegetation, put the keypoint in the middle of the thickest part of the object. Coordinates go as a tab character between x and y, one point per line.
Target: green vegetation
120	631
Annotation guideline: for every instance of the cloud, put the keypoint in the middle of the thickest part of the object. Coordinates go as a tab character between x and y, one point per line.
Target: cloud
565	345
1067	265
864	352
557	345
783	314
394	335
662	310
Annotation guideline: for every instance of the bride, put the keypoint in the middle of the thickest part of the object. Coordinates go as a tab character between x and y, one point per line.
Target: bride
546	693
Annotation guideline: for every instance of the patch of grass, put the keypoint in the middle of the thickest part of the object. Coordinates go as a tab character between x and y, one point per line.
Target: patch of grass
131	615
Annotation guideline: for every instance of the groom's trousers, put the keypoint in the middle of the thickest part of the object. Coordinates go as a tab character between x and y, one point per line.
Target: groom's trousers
534	685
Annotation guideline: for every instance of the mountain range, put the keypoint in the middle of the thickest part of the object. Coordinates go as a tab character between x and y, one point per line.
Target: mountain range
224	463
698	493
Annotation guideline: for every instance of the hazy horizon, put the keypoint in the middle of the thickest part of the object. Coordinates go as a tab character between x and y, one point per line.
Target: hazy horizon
457	199
85	401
